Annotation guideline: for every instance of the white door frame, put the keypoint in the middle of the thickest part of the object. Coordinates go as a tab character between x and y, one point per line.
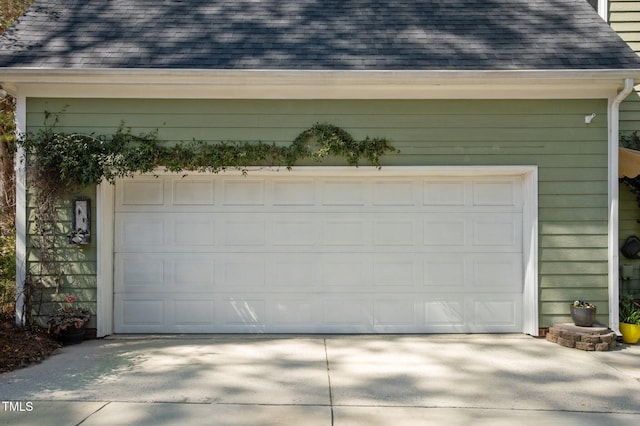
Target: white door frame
106	214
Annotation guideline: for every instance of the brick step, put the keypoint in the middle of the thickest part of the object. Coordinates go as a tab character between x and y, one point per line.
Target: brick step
595	338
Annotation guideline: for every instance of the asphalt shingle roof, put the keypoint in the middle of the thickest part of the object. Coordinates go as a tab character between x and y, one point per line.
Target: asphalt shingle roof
315	34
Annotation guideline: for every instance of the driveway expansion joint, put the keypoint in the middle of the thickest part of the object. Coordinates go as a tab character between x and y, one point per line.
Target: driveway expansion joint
326	357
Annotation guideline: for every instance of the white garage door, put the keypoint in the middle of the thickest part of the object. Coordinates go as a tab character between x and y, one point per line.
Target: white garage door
290	252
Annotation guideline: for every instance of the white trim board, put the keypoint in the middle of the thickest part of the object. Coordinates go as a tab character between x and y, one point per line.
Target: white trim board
21	211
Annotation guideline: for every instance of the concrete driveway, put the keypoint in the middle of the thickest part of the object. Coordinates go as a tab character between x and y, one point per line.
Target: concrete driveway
325	380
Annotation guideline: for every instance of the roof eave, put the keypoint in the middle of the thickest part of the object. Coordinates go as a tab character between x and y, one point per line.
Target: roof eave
314	84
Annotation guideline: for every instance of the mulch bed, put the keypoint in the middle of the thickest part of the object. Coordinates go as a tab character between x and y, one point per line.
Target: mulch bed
23	346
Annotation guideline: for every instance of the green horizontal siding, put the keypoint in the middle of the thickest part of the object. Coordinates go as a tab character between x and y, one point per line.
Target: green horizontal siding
78	263
630	113
625	19
571	156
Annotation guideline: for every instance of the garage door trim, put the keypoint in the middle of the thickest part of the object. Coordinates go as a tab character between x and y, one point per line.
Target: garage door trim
106	219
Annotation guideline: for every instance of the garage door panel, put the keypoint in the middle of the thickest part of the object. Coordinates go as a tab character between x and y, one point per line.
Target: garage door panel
138	271
298	271
242	272
499	272
243	232
504	192
241	313
190	230
243	192
286	253
290	312
496	312
346	273
347	314
475	272
140	313
445	193
294	193
193	192
294	313
444	232
136	232
396	193
445	312
446	272
189	312
393	312
192	273
295	232
343	193
345	232
158	232
394	233
141	192
396	272
489	313
473	232
162	272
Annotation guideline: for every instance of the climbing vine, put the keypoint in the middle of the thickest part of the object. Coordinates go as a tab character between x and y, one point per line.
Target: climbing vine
59	163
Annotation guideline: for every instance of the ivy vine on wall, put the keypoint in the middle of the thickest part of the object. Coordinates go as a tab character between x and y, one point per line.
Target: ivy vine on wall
59	163
63	161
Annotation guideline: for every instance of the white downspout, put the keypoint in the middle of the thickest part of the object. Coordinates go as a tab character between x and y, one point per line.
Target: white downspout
614	127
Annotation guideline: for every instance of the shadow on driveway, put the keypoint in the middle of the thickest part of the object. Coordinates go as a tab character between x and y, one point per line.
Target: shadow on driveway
327	378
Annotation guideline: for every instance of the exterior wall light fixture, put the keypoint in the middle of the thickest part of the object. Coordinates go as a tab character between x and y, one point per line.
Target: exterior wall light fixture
589	118
81	222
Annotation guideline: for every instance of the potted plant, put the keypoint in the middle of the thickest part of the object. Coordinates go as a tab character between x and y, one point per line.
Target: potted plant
630	320
583	313
68	322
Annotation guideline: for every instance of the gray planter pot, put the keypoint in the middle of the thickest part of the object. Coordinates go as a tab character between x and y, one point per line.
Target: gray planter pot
583	317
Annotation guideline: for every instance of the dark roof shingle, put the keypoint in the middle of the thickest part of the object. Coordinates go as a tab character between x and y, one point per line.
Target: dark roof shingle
315	35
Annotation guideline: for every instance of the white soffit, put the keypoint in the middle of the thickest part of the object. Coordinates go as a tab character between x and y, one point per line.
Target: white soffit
282	84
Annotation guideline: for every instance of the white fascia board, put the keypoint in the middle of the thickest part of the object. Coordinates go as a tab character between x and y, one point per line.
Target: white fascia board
284	84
